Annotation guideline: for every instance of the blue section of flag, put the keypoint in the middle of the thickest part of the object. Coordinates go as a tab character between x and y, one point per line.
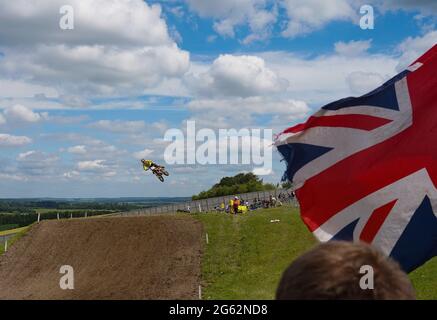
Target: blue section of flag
298	155
347	233
383	97
418	242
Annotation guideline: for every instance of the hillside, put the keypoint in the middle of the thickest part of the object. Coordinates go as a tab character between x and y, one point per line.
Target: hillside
247	254
112	258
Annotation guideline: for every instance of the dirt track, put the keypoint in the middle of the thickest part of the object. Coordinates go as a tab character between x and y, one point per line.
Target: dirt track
112	258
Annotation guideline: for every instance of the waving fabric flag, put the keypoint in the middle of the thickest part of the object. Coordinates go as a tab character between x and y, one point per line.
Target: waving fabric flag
365	169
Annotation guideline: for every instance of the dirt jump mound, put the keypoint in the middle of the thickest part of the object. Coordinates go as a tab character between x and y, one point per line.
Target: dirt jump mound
111	258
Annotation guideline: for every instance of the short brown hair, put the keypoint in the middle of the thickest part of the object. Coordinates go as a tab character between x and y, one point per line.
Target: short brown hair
331	271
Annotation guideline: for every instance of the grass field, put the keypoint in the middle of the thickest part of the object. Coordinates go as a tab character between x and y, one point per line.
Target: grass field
19	232
247	254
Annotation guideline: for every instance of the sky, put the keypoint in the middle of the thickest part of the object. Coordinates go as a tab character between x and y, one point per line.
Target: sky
80	107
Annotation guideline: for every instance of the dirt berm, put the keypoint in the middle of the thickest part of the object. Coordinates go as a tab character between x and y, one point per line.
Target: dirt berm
112	258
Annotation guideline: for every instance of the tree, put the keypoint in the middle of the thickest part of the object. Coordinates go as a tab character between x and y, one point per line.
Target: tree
241	183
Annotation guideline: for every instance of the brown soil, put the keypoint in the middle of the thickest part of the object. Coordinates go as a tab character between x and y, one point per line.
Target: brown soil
112	258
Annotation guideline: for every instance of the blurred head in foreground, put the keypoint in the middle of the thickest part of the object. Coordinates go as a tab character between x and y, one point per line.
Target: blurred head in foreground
335	271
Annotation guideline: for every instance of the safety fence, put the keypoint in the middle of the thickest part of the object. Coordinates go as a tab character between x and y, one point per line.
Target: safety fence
211	204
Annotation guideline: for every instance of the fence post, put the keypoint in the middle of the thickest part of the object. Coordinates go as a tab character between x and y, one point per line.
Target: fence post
57	215
39	217
6	245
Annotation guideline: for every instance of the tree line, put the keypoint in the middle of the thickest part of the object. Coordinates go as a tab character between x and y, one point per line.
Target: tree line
241	183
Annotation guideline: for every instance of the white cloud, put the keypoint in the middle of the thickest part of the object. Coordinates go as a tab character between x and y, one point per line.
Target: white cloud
305	16
251	105
363	82
142	154
91	165
110	174
24	155
7	140
71	174
96	22
100	56
413	47
352	48
2	119
119	126
80	149
262	171
37	164
426	7
21	113
230	14
238	76
323	79
20	89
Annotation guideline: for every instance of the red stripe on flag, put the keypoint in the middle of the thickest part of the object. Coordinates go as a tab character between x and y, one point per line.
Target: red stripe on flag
375	221
355	121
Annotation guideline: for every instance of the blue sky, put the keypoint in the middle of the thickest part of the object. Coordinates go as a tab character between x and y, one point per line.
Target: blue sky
79	108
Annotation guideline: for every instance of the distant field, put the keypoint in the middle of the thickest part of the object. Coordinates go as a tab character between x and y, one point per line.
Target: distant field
45	210
8	226
247	254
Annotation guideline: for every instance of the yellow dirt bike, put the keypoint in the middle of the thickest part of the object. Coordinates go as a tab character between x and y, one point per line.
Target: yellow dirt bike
159	172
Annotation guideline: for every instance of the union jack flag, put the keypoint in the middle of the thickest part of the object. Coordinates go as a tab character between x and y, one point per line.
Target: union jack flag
365	169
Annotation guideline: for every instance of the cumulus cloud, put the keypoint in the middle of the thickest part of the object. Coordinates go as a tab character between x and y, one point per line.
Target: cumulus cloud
71	174
97	168
363	82
91	165
352	48
142	154
413	47
100	56
323	79
251	105
7	140
306	16
19	113
81	149
258	15
37	163
119	126
426	7
238	76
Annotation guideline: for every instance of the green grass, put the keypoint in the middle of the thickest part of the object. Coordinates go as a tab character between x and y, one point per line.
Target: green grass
20	233
247	254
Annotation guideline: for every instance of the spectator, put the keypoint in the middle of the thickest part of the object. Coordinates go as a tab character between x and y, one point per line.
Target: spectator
231	206
331	271
236	204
